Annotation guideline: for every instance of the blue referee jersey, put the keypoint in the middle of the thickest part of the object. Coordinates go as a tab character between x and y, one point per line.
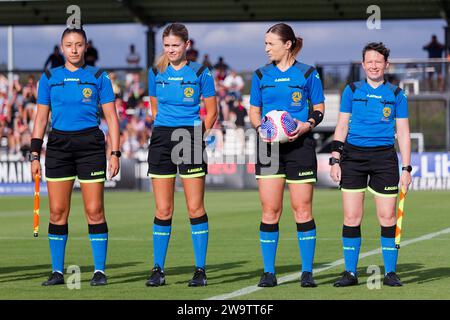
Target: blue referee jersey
178	93
74	96
291	90
373	113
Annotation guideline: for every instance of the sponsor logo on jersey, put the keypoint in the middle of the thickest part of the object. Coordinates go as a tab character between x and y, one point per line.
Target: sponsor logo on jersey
195	170
87	92
71	79
282	79
188	92
373	96
297	96
175	78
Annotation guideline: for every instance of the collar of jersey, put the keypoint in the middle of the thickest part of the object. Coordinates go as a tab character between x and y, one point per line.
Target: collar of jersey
372	88
80	68
285	71
170	65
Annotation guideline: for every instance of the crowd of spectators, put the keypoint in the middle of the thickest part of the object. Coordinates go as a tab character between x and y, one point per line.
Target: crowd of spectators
18	106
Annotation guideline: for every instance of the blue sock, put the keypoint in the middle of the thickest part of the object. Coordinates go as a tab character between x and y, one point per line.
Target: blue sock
161	237
351	242
390	252
98	235
199	230
306	235
57	237
268	237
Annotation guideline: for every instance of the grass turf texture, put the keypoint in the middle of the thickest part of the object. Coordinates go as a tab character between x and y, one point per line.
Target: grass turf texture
234	260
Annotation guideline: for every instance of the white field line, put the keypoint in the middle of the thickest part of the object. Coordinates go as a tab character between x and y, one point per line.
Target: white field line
294	276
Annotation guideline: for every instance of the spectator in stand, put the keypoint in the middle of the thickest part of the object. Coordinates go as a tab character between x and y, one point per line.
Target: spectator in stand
206	61
135	91
234	84
91	55
221	65
29	93
56	59
115	84
192	53
435	49
239	114
133	58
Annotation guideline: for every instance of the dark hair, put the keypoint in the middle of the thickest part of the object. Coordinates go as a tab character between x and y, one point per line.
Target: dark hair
378	47
286	34
74	30
175	29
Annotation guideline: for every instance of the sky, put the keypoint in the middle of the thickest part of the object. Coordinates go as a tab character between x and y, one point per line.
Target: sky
241	44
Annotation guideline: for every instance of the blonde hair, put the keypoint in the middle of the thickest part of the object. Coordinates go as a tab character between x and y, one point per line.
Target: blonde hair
176	29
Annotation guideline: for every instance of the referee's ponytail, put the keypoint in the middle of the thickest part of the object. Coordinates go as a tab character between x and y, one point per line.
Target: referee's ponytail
286	34
175	29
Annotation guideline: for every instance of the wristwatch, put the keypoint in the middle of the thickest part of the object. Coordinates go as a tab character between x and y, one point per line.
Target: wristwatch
32	157
311	124
407	168
116	153
333	161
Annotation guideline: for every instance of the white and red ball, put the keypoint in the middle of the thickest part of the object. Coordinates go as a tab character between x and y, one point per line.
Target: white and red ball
277	126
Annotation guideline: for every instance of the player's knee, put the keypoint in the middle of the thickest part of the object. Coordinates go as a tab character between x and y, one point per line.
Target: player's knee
303	213
195	211
164	212
58	213
271	215
95	214
352	220
387	219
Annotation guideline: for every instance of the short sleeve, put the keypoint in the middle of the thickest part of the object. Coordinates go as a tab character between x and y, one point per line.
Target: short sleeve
106	93
43	91
255	92
401	110
207	88
315	88
151	83
346	100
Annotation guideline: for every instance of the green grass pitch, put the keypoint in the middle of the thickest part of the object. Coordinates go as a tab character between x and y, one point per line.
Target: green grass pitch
234	261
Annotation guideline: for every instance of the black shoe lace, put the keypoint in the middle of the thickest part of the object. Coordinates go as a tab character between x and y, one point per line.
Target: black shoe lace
98	276
198	274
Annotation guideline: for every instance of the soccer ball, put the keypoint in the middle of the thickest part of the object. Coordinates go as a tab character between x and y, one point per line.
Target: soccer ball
277	126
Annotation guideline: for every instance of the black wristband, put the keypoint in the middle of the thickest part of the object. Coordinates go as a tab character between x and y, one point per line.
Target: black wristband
36	145
317	116
257	127
337	146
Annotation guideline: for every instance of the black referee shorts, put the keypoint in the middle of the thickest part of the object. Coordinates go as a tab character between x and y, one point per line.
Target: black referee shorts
373	168
173	148
295	161
72	154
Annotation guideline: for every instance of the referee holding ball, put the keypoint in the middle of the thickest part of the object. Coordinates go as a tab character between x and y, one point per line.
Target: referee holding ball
286	84
75	148
175	89
363	157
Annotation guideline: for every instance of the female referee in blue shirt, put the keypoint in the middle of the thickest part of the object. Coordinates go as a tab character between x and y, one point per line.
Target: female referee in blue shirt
175	89
75	148
286	84
364	157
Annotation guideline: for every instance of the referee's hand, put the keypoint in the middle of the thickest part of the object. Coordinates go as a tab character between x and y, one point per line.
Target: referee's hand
335	172
302	128
405	180
35	168
113	168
